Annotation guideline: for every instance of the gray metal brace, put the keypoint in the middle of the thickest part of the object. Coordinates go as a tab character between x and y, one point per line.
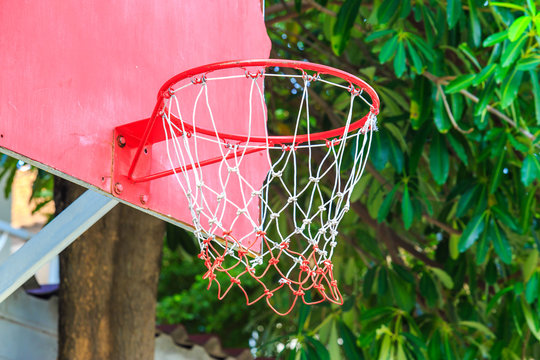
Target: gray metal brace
52	239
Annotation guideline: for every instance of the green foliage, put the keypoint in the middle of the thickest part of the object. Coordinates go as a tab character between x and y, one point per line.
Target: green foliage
446	264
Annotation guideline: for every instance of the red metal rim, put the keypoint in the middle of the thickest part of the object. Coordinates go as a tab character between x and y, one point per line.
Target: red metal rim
298	65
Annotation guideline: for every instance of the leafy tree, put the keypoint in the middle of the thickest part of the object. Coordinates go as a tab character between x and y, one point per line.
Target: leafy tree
440	256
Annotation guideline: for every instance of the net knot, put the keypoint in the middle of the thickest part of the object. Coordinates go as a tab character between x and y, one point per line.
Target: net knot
219	260
209	275
289	147
167	94
319	287
268	293
319	271
221	196
233	169
199	80
257	261
200	184
284	281
260	233
331	143
298	293
305	266
201	255
227	233
327	263
284	245
292	199
242	252
235	281
306	221
277	173
240	211
322	208
309	78
256	193
314	179
274	216
251	75
333	283
354	90
323	253
207	240
333	243
273	261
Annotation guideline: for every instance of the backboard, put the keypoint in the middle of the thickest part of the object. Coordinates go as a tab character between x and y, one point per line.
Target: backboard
73	73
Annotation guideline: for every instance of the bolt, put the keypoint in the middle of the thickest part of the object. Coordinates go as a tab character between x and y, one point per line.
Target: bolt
144	199
121	141
118	188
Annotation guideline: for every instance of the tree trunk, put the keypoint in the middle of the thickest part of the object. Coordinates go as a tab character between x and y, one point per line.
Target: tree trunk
108	285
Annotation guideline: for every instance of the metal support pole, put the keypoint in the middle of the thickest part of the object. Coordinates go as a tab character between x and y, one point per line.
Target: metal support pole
52	239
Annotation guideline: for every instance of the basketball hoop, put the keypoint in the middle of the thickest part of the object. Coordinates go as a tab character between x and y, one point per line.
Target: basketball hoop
289	216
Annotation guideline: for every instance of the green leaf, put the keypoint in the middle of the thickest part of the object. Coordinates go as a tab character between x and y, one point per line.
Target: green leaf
319	350
475	26
478	326
495	38
482	248
531	318
496	298
484	74
518	27
503	216
389	49
379	34
526	207
403	273
349	342
440	117
396	155
406	208
497	172
399	60
453	12
344	23
403	293
303	314
416	61
444	278
507	5
428	289
386	205
381	151
536	94
500	243
485	97
529	265
512	51
530	170
385	352
466	201
531	290
426	49
439	162
387	10
458	148
473	229
459	83
528	63
510	88
532	6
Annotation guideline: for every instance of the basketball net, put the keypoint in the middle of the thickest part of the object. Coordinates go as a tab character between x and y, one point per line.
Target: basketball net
299	205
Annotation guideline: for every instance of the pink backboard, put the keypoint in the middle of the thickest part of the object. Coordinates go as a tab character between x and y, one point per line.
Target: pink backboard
73	71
